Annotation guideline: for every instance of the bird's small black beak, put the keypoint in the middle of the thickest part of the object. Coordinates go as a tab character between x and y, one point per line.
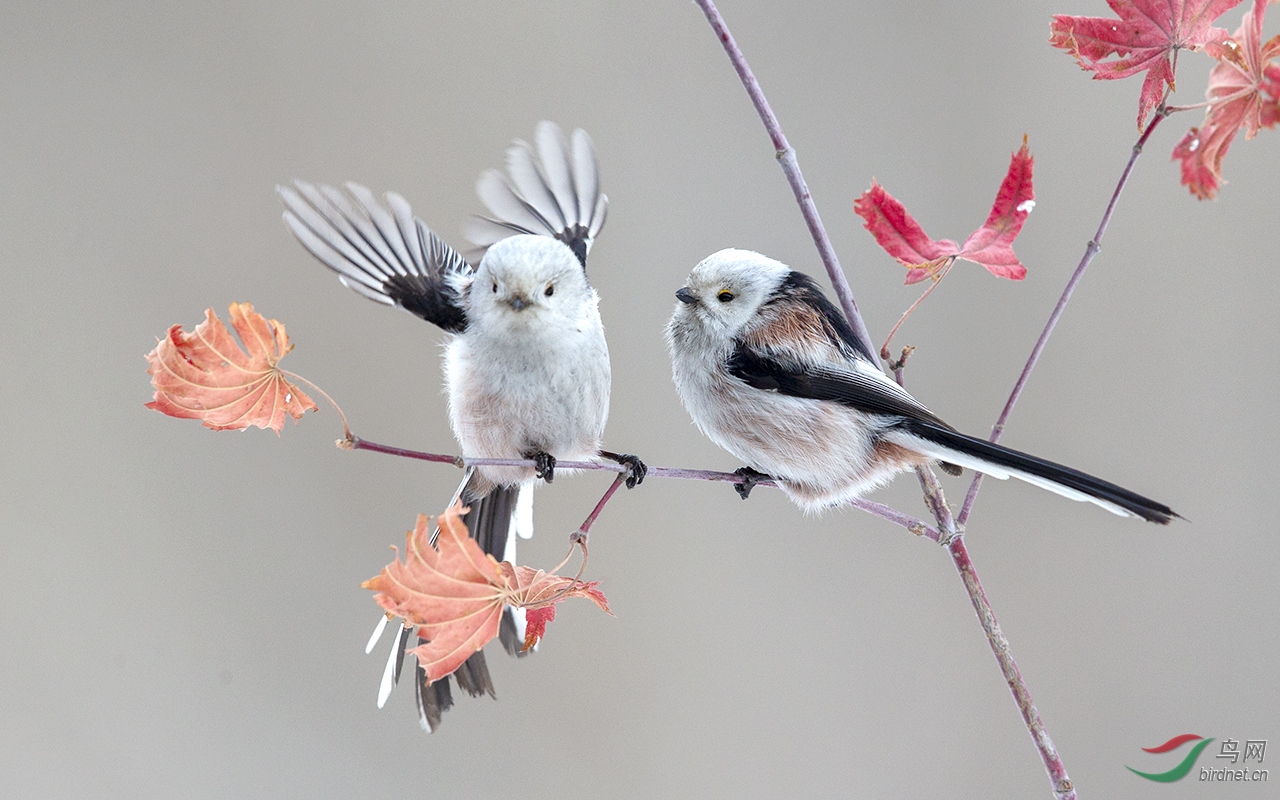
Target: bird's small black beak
685	296
519	303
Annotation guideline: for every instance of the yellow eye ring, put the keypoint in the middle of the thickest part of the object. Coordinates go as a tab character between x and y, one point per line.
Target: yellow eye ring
724	296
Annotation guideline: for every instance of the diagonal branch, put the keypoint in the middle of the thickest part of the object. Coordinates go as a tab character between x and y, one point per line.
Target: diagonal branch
952	538
787	158
1090	250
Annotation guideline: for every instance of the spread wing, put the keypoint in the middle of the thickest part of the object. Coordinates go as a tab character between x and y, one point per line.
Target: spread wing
389	256
553	191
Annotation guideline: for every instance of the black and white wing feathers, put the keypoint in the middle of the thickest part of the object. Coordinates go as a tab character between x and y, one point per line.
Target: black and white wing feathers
858	385
853	384
387	255
802	346
553	190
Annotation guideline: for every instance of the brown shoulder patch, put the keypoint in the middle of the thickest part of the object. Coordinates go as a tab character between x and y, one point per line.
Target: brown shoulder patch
787	325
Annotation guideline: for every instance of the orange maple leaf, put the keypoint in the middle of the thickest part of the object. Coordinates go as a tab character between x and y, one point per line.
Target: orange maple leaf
205	375
539	591
454	592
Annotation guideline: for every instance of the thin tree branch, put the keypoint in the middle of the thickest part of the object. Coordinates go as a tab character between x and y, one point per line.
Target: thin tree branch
790	166
1062	785
1090	250
951	537
585	528
916	526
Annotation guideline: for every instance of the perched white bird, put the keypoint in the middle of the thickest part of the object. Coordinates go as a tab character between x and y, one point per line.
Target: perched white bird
770	370
527	369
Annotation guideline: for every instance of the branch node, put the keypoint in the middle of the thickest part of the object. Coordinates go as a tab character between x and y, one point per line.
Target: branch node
348	443
902	360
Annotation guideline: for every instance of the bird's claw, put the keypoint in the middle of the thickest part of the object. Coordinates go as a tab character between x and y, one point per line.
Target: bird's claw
636	469
545	466
750	478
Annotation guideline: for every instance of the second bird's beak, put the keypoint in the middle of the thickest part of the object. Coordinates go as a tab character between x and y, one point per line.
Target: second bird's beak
519	303
685	296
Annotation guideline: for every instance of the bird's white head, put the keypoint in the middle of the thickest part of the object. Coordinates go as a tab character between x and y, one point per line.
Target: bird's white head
724	293
525	278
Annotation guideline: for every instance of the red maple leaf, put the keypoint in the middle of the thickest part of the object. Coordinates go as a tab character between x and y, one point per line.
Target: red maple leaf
1146	36
990	246
1244	92
205	375
454	592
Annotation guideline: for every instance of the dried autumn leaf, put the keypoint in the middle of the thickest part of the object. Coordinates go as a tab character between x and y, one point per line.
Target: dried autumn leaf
539	591
205	375
535	624
455	592
1244	89
990	246
1145	37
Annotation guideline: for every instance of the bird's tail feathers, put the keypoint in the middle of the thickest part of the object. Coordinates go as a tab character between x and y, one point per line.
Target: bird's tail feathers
1000	462
494	521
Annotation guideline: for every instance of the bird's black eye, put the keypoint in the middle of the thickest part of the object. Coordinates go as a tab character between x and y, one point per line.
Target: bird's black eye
551	289
495	287
724	296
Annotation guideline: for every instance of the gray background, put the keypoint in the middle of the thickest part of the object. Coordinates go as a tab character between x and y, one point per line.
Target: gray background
181	612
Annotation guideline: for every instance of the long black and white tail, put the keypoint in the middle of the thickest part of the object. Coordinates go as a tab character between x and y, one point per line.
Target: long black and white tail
494	521
982	456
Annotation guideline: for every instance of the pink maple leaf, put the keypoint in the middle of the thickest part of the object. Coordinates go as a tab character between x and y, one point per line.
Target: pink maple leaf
990	246
1145	37
1244	92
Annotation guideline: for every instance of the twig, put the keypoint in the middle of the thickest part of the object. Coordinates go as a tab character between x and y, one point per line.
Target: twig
954	542
1062	785
1090	250
934	281
579	539
916	526
595	512
787	158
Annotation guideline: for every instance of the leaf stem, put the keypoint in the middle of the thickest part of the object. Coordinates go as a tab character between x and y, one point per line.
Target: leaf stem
933	284
577	539
1236	95
1090	250
786	156
346	429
